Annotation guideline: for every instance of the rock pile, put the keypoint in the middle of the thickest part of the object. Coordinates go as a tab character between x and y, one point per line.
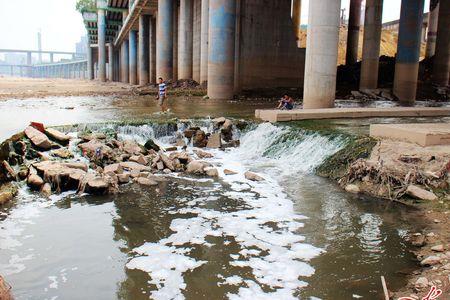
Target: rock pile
47	161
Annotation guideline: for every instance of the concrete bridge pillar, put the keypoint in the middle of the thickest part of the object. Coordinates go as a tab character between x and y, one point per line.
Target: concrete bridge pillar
124	62
185	46
111	65
321	54
132	45
204	42
196	36
354	22
408	51
442	57
222	31
101	24
432	28
51	57
152	32
176	27
296	19
164	50
144	55
90	63
371	44
29	62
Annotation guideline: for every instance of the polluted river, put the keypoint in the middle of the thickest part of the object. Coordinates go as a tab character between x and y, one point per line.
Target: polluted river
293	235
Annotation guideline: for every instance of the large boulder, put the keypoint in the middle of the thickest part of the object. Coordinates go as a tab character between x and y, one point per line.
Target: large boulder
202	154
214	141
253	176
38	139
200	139
7	193
419	193
167	161
91	147
140	159
131	147
150	144
227	130
57	136
197	167
145	181
35	182
134	166
86	136
63	153
97	186
113	169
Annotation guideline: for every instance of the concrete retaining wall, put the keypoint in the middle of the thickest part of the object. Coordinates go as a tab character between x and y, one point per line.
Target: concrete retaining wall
269	53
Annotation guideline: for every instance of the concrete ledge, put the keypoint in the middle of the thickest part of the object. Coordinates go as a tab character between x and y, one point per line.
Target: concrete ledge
274	115
426	134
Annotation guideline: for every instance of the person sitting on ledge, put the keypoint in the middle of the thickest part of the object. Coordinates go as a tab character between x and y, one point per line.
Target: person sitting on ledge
286	103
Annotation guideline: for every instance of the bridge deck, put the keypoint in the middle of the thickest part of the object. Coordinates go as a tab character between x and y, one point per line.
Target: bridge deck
274	115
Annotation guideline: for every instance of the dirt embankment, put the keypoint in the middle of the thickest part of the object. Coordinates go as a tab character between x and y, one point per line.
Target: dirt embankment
415	176
18	87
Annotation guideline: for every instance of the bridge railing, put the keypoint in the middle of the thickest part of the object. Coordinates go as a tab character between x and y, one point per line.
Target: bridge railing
70	70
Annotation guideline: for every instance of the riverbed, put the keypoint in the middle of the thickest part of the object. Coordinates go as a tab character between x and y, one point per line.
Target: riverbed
295	235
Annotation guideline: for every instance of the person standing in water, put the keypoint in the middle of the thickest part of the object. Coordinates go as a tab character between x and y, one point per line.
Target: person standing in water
162	94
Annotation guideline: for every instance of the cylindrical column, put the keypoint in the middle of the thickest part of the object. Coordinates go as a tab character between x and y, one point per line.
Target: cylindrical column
176	14
432	28
144	49
51	54
185	40
124	62
296	19
237	50
353	32
101	23
164	54
196	33
408	51
204	42
90	63
222	30
29	67
132	45
371	44
441	65
152	49
321	54
111	65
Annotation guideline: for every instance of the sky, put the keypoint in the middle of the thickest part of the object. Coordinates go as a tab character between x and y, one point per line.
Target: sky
62	26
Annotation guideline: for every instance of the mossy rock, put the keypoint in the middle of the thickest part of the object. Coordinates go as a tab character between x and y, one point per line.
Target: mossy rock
7	192
335	167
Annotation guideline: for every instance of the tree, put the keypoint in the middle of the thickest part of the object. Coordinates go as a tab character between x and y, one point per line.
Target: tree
83	5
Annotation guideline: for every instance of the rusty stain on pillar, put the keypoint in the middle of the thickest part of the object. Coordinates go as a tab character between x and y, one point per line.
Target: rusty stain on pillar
144	55
222	30
433	17
371	44
132	46
176	16
185	40
408	51
353	32
101	23
124	62
152	32
321	54
441	65
196	36
164	49
204	42
296	19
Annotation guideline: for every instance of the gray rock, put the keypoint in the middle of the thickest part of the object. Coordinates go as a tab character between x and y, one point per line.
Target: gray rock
146	181
212	172
197	167
419	193
431	260
35	182
46	190
123	178
229	172
438	248
421	283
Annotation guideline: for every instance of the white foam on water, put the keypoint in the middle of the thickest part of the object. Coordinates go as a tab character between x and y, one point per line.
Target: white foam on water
266	229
